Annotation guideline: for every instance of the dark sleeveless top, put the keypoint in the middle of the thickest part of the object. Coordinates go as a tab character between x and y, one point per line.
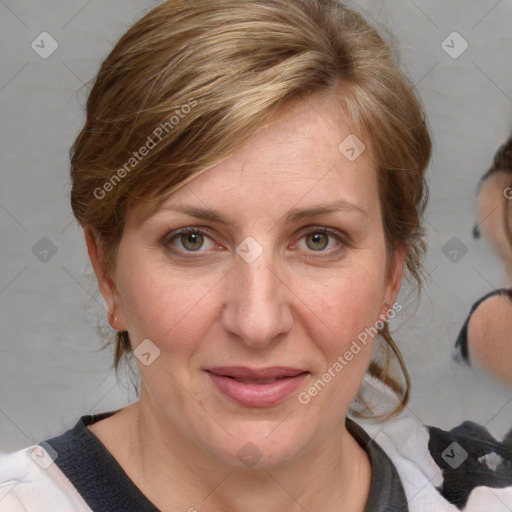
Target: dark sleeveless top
461	345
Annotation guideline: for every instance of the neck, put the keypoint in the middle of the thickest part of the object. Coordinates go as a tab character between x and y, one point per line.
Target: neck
175	473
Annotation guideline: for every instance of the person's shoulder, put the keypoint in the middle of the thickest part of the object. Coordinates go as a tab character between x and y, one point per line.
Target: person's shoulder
30	480
441	470
476	467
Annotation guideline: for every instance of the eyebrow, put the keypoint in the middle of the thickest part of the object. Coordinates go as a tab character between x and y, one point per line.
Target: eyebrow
293	216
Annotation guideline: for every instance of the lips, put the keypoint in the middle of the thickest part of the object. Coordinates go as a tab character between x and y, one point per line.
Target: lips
262	387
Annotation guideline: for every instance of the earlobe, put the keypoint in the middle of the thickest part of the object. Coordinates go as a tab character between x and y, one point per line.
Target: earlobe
105	283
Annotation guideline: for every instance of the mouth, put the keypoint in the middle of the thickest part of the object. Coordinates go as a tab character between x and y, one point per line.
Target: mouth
254	381
262	387
258	376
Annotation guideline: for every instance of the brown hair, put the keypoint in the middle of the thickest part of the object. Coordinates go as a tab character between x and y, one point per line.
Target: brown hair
502	163
193	80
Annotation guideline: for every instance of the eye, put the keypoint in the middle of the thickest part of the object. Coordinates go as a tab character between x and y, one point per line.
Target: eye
321	238
196	240
189	240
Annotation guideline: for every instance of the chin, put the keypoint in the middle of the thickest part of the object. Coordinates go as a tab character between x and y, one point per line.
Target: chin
260	445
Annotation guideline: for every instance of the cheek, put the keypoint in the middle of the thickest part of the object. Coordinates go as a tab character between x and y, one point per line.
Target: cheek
346	303
165	306
351	319
342	325
349	307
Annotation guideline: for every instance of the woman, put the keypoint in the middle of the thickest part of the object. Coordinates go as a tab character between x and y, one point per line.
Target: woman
250	180
484	338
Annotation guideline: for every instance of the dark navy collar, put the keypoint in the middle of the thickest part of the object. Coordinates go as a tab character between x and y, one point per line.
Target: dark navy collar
104	485
386	492
94	472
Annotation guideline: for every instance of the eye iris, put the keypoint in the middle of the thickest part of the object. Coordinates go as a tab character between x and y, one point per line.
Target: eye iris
195	239
317	239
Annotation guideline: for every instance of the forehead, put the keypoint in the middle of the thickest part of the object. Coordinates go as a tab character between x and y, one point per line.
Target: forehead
307	153
308	141
307	134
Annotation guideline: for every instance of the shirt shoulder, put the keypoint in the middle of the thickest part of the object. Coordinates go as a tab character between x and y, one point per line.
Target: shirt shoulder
30	480
434	464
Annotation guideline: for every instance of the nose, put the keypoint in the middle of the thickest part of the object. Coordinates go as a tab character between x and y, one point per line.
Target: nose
257	308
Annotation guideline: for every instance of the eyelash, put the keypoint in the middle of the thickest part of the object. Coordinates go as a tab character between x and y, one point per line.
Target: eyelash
340	237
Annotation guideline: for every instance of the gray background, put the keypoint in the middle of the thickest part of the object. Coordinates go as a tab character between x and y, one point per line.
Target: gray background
51	370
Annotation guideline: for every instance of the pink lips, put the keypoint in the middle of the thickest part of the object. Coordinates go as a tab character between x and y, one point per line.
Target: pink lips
257	388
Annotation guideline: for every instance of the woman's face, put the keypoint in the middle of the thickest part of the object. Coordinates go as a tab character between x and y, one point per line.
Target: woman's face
264	285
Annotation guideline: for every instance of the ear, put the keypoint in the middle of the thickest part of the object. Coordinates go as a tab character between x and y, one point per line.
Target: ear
106	284
395	275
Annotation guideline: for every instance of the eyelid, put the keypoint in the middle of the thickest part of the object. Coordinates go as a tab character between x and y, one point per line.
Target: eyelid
323	229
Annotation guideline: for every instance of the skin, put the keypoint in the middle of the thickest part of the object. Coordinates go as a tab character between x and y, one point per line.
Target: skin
490	326
298	304
489	337
492	199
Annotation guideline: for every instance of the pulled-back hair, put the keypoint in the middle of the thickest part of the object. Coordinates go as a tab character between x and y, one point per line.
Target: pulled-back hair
502	161
501	166
192	81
